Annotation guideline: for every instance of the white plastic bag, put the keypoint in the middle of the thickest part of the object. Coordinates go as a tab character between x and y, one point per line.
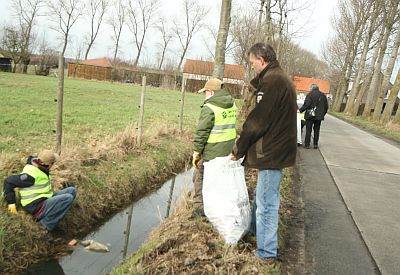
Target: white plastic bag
225	197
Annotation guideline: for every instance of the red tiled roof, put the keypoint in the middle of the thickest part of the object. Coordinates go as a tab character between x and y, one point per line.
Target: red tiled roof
100	62
303	84
206	68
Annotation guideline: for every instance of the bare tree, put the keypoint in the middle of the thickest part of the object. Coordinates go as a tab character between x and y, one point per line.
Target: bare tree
26	12
11	42
96	11
166	36
349	28
48	57
117	21
193	17
386	78
390	17
224	22
373	13
243	31
368	77
64	14
141	15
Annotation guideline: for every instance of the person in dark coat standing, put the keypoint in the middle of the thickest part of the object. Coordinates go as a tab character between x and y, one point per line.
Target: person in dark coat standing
315	101
268	142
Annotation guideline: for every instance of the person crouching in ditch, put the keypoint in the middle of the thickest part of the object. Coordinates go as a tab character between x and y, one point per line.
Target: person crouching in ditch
215	134
35	190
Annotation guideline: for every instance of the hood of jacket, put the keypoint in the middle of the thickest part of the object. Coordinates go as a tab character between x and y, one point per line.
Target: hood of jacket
221	98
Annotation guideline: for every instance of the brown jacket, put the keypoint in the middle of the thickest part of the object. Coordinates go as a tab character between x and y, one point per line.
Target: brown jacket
268	138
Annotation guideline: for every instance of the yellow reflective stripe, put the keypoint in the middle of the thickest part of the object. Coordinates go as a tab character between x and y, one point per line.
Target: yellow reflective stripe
223	127
35	195
36	187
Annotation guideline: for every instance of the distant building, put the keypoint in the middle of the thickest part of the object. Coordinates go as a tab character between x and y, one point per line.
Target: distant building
99	69
5	63
303	84
197	72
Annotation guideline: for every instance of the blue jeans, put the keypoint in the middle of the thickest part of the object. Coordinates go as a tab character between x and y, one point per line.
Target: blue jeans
264	220
56	207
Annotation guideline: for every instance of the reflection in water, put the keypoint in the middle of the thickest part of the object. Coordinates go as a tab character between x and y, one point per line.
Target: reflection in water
51	267
147	213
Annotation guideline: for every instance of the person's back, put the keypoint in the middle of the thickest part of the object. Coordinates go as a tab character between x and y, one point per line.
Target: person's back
315	99
220	106
215	134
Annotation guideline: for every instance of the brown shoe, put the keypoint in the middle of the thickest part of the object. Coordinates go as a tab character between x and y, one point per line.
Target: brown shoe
268	261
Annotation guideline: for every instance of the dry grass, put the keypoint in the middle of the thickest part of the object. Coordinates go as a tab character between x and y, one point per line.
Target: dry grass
186	245
101	172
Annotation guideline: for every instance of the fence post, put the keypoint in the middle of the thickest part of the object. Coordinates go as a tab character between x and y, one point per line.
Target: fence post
182	102
141	115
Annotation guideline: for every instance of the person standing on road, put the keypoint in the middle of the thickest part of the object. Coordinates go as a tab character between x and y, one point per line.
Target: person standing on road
315	107
35	189
215	134
268	142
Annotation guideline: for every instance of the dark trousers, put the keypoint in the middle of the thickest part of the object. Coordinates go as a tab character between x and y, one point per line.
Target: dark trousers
198	185
309	125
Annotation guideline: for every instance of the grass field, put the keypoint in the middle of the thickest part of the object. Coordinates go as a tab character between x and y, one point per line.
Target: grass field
92	110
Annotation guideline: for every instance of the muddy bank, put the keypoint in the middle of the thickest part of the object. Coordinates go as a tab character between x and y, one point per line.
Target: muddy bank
186	245
108	177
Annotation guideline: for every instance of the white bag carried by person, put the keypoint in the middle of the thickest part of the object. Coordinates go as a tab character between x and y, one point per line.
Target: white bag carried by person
225	197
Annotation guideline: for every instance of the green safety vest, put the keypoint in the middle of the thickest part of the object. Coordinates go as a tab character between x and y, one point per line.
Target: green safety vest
40	189
224	123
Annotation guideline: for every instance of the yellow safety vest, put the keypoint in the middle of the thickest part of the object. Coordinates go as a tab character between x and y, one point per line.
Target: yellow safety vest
40	189
224	123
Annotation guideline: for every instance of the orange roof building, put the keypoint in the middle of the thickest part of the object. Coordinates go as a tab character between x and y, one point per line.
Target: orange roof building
98	62
303	84
197	69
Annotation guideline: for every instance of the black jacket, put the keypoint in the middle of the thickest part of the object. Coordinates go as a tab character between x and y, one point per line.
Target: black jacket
318	99
268	138
21	181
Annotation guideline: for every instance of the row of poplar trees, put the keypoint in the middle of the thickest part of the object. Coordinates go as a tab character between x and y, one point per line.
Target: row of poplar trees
364	51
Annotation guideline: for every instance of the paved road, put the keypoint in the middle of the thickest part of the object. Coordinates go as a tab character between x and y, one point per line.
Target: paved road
351	193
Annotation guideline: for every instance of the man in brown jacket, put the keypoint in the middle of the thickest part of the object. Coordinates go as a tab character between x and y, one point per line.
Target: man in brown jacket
268	142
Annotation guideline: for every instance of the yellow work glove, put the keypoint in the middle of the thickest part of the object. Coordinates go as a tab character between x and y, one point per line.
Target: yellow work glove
12	209
196	159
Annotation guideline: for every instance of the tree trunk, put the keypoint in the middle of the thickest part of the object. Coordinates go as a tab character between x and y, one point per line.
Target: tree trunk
268	35
60	100
260	15
397	116
162	57
387	113
356	84
386	79
376	76
224	22
367	79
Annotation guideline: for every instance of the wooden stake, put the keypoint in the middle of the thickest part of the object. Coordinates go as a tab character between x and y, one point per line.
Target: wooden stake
141	115
182	102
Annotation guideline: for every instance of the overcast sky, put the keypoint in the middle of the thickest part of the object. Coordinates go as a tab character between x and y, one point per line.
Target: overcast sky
313	23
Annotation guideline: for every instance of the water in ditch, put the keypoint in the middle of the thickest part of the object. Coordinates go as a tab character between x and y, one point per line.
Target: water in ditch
148	213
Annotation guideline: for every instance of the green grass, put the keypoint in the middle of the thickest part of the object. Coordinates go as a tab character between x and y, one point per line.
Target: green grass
92	110
391	131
